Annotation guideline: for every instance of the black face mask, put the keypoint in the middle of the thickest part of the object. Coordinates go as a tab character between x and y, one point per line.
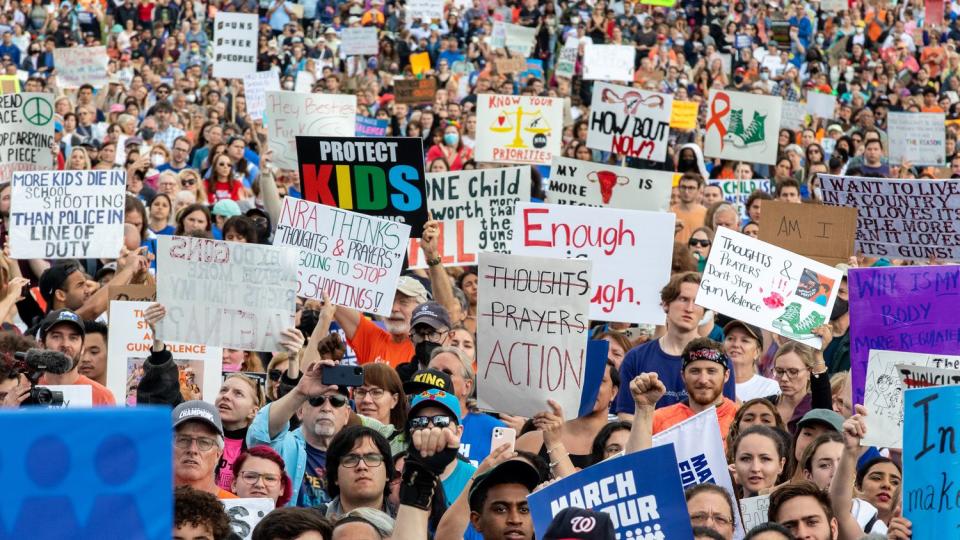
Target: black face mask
687	165
737	79
423	350
147	133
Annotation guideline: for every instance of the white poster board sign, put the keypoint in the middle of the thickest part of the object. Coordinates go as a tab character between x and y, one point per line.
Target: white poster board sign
585	183
255	87
226	294
425	10
629	122
821	105
67	214
245	514
754	511
532	333
452	242
75	396
518	129
742	127
515	38
768	286
234	44
567	60
609	63
26	133
289	114
632	251
76	66
355	258
917	138
793	114
359	40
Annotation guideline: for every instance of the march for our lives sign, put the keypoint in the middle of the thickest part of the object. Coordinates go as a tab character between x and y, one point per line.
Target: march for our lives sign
642	497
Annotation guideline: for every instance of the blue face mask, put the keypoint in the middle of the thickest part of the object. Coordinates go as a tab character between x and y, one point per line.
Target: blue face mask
450	139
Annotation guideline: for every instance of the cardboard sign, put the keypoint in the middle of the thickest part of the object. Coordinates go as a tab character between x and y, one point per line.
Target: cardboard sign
930	461
425	10
742	127
754	510
567	59
103	472
900	219
255	88
415	90
361	40
9	84
632	249
234	44
683	115
586	183
532	312
511	64
821	105
768	286
76	66
368	126
609	63
291	114
518	129
382	178
67	214
901	308
26	133
484	199
129	344
515	38
823	233
245	514
452	243
133	293
919	138
629	122
75	396
226	294
637	491
736	192
354	258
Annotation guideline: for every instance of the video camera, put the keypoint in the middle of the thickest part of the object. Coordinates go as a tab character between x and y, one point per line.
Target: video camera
33	364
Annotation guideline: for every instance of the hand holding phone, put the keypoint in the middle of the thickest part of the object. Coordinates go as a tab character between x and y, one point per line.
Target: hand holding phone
501	436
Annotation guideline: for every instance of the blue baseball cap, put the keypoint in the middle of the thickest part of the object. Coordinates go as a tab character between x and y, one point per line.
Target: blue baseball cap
439	398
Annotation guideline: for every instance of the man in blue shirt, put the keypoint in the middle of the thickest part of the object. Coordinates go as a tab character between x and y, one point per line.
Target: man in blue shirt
7	48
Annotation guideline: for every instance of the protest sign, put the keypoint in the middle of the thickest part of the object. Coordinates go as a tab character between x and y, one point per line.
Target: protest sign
919	138
133	293
452	244
415	90
419	63
902	308
484	199
9	84
883	395
382	178
245	514
793	115
609	63
511	64
67	214
129	344
234	44
933	12
226	294
823	233
586	183
368	126
518	129
833	6
927	376
76	66
900	219
736	192
359	40
753	511
102	472
26	133
821	105
629	122
291	114
75	396
930	461
768	286
532	333
567	59
255	88
683	115
632	250
354	258
515	38
637	491
425	10
742	126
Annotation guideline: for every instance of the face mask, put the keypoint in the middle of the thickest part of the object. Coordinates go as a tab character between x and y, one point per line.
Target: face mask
288	85
157	160
764	76
191	98
818	193
147	133
687	164
820	41
737	79
683	82
450	139
680	42
423	350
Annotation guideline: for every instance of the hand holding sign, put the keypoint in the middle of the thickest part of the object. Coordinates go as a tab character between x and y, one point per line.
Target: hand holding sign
154	314
15	288
291	340
551	424
647	389
428	242
854	429
899	528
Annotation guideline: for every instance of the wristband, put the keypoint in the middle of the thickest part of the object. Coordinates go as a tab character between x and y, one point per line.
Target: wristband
434	261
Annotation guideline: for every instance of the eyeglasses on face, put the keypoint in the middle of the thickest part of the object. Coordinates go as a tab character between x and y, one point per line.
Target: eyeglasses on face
251	477
204	444
350	461
362	393
423	422
336	401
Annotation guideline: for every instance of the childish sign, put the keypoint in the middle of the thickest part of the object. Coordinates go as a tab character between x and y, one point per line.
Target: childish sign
484	198
642	497
567	59
609	63
77	66
532	330
736	192
900	219
919	138
629	122
255	87
352	257
289	115
632	251
226	294
377	177
754	511
26	133
234	44
518	129
742	127
585	183
767	286
67	214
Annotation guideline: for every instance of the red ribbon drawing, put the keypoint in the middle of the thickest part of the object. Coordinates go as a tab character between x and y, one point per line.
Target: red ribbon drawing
716	116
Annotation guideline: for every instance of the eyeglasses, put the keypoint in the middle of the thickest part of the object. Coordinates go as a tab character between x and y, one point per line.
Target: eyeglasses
694	242
704	517
423	422
370	460
275	374
419	335
791	373
252	478
375	393
335	401
204	444
188	181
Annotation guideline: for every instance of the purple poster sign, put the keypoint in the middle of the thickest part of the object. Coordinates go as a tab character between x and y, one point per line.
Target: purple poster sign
906	308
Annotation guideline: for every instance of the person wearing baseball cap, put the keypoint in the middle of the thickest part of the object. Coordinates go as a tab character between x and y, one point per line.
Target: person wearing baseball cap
498	500
63	331
743	345
197	447
580	524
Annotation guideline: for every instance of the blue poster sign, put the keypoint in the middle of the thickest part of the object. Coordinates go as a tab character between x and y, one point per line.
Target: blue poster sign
368	126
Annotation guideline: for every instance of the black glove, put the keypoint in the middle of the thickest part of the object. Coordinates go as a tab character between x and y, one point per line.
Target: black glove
435	463
417	485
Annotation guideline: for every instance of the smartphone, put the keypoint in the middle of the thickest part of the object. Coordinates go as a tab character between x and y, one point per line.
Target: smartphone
342	375
501	436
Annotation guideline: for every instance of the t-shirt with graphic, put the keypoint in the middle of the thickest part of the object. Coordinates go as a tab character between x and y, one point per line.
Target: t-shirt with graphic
313	491
232	448
477	431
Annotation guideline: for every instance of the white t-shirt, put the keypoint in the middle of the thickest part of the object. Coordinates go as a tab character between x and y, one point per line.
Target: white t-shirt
757	387
864	512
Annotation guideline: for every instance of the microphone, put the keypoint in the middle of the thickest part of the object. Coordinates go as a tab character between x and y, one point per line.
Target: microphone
46	360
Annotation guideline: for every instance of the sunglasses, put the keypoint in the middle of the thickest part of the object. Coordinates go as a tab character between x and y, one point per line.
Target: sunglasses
702	243
423	422
275	374
188	181
335	401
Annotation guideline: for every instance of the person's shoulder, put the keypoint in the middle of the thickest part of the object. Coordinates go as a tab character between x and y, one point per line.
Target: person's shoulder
481	420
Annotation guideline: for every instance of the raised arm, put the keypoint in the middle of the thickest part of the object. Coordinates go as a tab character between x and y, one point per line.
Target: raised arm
646	389
841	487
439	280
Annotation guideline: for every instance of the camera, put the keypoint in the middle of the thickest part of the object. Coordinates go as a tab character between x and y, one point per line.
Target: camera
44	397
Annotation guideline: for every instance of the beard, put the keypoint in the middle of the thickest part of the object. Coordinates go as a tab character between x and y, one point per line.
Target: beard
705	396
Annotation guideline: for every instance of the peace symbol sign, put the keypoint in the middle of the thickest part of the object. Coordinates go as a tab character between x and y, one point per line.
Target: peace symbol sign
38	111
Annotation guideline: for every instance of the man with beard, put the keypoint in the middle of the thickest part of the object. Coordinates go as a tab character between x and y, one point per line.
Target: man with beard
63	331
323	411
197	447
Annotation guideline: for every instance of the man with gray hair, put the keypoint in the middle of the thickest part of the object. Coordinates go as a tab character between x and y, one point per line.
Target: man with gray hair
197	447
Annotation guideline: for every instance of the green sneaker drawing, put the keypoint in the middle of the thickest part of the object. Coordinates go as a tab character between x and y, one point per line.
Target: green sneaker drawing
789	318
754	137
802	329
735	127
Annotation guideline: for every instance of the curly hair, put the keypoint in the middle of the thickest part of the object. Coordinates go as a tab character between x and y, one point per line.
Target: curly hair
199	508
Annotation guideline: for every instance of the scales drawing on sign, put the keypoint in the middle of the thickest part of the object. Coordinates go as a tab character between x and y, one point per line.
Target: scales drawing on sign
537	125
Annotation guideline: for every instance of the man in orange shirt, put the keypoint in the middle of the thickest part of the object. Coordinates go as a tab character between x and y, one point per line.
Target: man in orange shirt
63	331
690	213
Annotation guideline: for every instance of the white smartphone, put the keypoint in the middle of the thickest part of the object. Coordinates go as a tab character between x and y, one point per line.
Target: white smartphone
501	436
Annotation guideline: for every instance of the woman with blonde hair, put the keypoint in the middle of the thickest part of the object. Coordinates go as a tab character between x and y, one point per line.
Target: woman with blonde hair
190	181
804	383
239	399
79	160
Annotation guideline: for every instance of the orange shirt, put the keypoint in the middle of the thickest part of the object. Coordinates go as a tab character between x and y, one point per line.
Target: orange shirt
224	494
691	220
667	417
101	396
374	344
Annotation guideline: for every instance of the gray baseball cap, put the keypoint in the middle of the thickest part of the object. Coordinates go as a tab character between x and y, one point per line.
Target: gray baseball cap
198	411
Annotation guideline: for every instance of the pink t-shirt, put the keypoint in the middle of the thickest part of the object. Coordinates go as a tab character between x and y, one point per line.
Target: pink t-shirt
231	451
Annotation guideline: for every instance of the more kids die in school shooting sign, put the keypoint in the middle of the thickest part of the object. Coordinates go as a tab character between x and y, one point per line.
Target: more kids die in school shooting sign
518	129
